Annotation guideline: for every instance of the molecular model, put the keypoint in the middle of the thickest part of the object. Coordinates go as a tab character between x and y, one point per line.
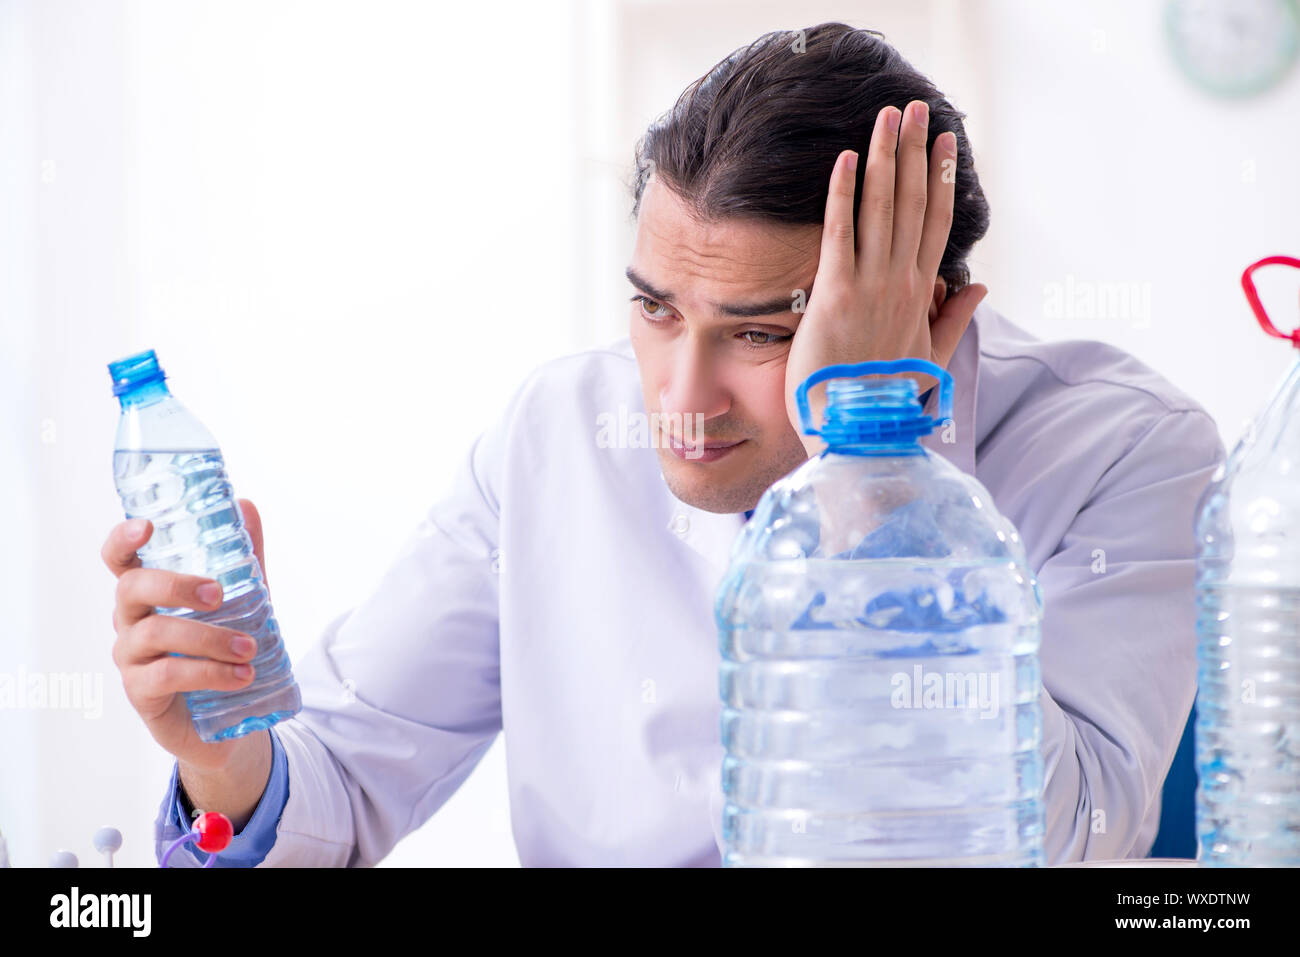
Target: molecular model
212	833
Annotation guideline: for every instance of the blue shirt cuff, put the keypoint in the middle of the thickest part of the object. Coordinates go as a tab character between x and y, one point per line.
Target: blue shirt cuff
250	846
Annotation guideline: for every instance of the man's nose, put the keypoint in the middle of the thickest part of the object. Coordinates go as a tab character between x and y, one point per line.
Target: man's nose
694	386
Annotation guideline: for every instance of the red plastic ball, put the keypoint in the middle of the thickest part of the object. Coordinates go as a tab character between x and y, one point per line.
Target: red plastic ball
215	832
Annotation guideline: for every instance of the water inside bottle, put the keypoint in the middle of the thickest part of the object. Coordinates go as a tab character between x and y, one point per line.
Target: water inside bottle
881	711
198	530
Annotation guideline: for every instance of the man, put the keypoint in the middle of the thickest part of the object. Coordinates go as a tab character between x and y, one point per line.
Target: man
810	201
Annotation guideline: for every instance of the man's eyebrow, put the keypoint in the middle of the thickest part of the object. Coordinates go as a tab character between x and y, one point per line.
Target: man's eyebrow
745	309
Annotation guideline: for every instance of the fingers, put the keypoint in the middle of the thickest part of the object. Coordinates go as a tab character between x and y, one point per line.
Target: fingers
253	522
876	215
938	210
139	590
837	253
119	551
160	635
171	675
910	200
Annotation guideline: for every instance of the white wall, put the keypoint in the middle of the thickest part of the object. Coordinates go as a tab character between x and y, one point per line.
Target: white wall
1103	163
350	229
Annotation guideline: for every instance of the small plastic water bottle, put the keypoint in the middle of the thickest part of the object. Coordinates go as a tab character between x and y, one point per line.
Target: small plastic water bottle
168	469
879	633
1248	635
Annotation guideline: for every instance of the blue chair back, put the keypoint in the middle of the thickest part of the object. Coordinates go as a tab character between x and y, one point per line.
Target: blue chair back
1177	834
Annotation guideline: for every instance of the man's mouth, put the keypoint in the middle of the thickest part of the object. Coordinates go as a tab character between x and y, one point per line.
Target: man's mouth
709	451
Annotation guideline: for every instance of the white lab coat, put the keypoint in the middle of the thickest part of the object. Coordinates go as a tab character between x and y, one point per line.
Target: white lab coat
562	595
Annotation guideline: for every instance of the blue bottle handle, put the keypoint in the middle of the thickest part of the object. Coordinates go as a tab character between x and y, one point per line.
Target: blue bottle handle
853	370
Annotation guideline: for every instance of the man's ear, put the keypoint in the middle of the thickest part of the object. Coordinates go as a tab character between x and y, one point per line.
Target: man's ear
940	293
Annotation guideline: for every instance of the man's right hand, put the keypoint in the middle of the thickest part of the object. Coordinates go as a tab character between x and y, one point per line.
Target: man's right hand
156	681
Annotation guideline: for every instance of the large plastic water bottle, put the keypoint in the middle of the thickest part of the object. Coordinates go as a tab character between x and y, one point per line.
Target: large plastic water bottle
1248	636
879	630
168	469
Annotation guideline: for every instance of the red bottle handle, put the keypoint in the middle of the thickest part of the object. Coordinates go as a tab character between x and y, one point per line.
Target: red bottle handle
1248	284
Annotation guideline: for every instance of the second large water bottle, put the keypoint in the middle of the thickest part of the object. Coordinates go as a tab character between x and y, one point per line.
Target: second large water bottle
1248	635
879	631
168	469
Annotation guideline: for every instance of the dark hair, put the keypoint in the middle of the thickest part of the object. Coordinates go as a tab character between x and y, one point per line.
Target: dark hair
758	135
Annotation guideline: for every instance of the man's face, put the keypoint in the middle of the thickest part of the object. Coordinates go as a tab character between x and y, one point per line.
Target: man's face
708	356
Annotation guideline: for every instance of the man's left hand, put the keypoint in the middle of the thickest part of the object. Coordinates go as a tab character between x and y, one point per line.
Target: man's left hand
879	298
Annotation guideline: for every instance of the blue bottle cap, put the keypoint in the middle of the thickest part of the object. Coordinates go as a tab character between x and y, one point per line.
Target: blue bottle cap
861	413
134	371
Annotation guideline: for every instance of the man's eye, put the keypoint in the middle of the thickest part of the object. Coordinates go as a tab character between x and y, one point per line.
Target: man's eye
764	338
652	310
